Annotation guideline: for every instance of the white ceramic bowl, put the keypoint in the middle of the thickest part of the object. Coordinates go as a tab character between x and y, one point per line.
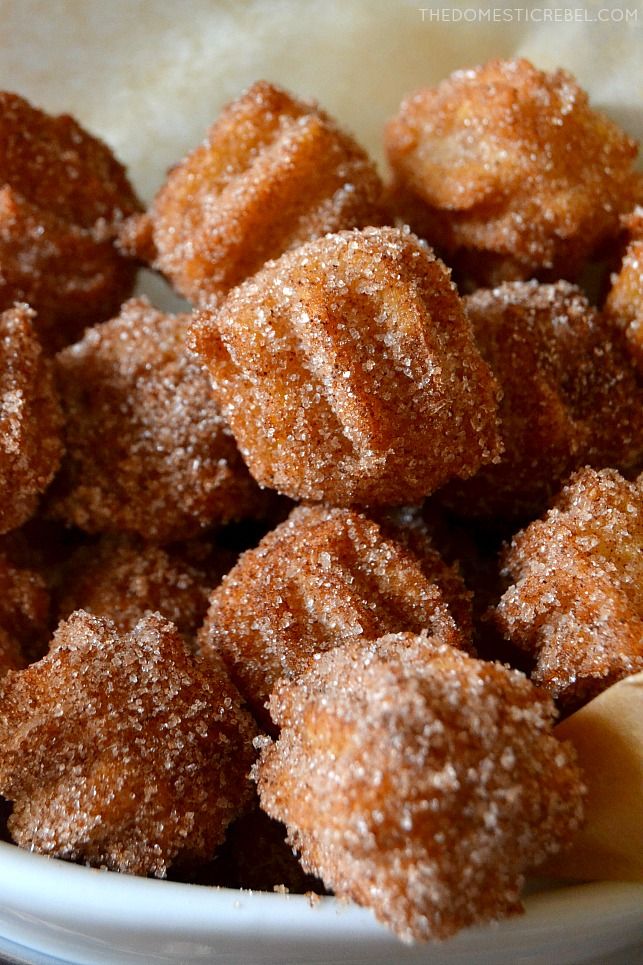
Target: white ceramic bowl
80	915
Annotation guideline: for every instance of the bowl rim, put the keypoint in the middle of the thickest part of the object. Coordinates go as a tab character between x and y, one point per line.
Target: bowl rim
98	897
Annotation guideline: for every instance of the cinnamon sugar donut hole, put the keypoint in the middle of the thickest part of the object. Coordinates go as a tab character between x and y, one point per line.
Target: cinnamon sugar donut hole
123	579
571	396
509	172
121	751
148	452
348	372
576	599
63	196
419	782
272	173
320	579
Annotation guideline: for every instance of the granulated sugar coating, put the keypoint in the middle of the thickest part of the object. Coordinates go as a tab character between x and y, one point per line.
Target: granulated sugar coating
148	452
62	196
625	299
349	374
24	607
419	781
272	173
320	579
123	579
30	419
509	172
122	751
577	599
570	396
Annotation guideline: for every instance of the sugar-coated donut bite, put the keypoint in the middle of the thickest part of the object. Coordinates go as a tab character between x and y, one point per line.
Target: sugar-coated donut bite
121	750
349	374
625	300
272	173
320	579
62	197
30	418
570	396
509	173
148	452
576	602
419	781
123	579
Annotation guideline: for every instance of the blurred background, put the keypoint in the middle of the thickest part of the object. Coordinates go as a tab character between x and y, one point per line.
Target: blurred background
150	75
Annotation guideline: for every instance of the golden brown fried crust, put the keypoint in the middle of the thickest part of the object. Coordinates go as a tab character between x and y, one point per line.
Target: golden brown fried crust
62	197
24	609
148	452
322	578
123	579
349	374
273	173
121	750
625	300
576	602
30	419
570	396
511	163
419	781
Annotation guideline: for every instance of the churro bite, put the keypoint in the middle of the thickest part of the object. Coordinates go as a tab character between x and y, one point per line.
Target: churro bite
63	195
349	374
625	299
272	173
121	751
570	396
30	419
509	172
576	601
148	452
419	781
322	578
123	579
